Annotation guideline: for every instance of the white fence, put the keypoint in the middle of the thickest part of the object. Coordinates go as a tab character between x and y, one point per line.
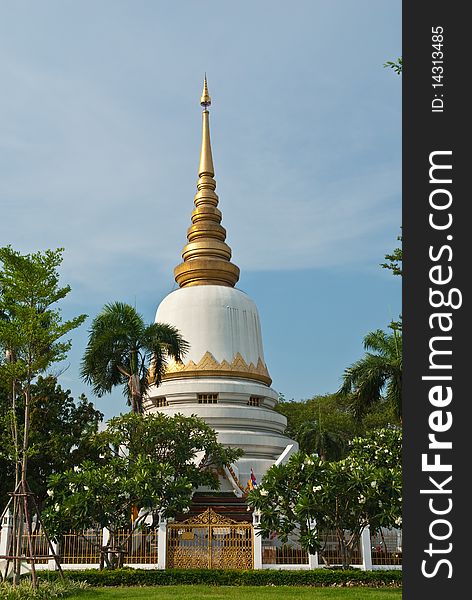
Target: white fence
147	549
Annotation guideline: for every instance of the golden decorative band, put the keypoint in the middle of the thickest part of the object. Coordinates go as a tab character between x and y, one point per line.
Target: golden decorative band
208	366
210	517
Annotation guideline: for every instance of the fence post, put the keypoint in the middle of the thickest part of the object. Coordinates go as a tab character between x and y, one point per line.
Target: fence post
256	519
313	558
162	543
105	542
105	536
52	566
6	532
366	550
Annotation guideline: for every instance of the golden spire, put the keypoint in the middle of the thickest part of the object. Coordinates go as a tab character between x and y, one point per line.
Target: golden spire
205	100
206	160
206	256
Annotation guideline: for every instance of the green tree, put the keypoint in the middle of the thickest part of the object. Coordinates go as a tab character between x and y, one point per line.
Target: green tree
347	495
327	412
123	350
395	260
31	325
379	370
324	424
154	462
31	333
61	445
313	438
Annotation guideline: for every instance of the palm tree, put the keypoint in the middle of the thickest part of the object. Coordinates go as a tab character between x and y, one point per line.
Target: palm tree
123	350
379	370
329	445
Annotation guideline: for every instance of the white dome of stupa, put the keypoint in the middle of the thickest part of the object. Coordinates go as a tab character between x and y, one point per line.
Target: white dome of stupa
222	327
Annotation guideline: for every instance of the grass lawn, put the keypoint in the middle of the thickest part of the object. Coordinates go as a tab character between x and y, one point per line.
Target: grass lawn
203	592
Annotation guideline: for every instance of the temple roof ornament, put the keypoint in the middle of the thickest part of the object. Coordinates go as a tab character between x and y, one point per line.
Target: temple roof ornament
209	366
206	257
210	517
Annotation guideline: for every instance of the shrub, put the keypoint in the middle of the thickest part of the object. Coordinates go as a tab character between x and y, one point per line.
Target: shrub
316	577
45	591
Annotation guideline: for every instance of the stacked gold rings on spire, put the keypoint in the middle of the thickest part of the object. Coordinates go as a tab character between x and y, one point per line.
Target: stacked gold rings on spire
206	256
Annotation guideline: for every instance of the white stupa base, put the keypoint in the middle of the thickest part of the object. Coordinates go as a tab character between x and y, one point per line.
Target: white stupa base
258	430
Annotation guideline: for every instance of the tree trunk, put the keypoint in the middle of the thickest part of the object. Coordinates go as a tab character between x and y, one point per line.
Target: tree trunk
23	507
17	536
17	526
383	541
134	386
24	457
345	552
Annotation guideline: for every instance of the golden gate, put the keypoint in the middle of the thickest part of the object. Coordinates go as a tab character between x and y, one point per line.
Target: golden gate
210	541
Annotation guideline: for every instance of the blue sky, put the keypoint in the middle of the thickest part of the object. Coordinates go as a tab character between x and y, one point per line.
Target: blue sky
99	142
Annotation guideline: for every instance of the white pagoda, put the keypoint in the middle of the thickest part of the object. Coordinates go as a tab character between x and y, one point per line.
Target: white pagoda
224	377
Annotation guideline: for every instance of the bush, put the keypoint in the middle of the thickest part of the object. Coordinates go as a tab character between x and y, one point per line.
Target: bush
45	591
316	577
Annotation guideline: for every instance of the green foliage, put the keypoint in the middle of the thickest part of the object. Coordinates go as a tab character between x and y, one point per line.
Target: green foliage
30	324
60	446
314	438
380	415
395	264
379	370
376	379
396	65
325	424
316	577
329	412
46	590
31	328
153	462
123	350
362	489
31	340
66	440
7	449
395	260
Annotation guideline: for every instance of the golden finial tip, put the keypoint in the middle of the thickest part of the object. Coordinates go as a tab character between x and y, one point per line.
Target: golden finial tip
205	100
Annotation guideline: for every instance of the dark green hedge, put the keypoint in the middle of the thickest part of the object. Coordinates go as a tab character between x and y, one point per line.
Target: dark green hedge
316	577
